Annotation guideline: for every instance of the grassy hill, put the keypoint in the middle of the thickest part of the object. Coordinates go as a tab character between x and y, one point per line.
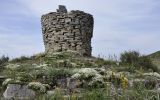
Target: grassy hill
87	78
155	57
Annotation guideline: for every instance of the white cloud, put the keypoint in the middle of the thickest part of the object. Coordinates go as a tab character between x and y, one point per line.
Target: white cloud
15	45
119	25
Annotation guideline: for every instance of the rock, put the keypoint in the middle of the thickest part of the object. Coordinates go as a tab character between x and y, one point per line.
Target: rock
68	83
20	92
62	82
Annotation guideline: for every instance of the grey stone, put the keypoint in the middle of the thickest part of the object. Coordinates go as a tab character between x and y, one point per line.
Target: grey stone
20	92
74	29
67	20
62	9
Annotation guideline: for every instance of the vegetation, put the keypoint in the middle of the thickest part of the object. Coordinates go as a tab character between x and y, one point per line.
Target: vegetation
21	59
37	86
134	77
3	61
155	55
138	93
136	61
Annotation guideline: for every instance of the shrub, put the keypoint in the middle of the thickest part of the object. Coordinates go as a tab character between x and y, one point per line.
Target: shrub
54	74
10	81
150	82
133	59
12	66
24	77
37	86
90	76
97	81
152	74
102	62
7	81
3	60
85	73
21	59
38	56
119	80
146	63
146	83
130	57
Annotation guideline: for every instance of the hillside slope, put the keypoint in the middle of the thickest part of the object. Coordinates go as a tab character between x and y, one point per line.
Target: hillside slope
70	75
155	57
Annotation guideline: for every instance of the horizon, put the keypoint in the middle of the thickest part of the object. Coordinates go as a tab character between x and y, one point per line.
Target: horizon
119	25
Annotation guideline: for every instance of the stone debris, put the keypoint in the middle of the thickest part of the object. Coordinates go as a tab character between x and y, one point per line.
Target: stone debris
64	31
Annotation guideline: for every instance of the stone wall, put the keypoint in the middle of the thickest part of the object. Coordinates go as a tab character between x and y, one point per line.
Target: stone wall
64	31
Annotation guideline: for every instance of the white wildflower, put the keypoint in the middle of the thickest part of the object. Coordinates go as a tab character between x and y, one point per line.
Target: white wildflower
100	70
41	66
85	73
155	74
37	86
7	81
12	66
77	75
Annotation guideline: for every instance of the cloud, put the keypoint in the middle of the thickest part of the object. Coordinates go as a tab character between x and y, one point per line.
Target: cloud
15	45
119	24
20	32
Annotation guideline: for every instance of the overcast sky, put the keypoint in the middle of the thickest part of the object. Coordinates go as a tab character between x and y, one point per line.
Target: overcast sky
119	25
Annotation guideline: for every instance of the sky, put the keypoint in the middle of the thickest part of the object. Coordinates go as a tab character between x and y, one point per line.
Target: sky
119	25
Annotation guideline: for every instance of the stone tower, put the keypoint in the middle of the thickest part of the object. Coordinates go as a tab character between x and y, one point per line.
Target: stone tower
64	31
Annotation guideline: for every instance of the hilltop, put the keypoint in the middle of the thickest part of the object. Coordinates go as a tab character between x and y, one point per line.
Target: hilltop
155	57
69	74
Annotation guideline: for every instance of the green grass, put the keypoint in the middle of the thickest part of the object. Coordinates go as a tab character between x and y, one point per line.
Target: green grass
61	64
105	94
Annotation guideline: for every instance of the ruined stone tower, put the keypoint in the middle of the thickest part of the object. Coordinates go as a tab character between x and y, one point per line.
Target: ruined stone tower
64	31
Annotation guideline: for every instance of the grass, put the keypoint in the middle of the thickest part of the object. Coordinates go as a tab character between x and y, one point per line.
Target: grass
47	68
105	94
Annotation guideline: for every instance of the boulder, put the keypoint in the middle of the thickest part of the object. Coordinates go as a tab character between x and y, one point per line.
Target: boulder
20	92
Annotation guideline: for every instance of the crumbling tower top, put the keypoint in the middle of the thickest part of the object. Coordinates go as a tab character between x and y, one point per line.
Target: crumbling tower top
62	9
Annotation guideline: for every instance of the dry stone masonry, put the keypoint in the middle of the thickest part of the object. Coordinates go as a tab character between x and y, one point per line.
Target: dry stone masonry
64	31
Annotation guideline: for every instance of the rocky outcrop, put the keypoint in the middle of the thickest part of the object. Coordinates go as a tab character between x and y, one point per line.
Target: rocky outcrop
64	31
18	92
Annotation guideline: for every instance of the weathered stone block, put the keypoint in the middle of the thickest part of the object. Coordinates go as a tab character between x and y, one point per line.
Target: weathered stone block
18	92
67	20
